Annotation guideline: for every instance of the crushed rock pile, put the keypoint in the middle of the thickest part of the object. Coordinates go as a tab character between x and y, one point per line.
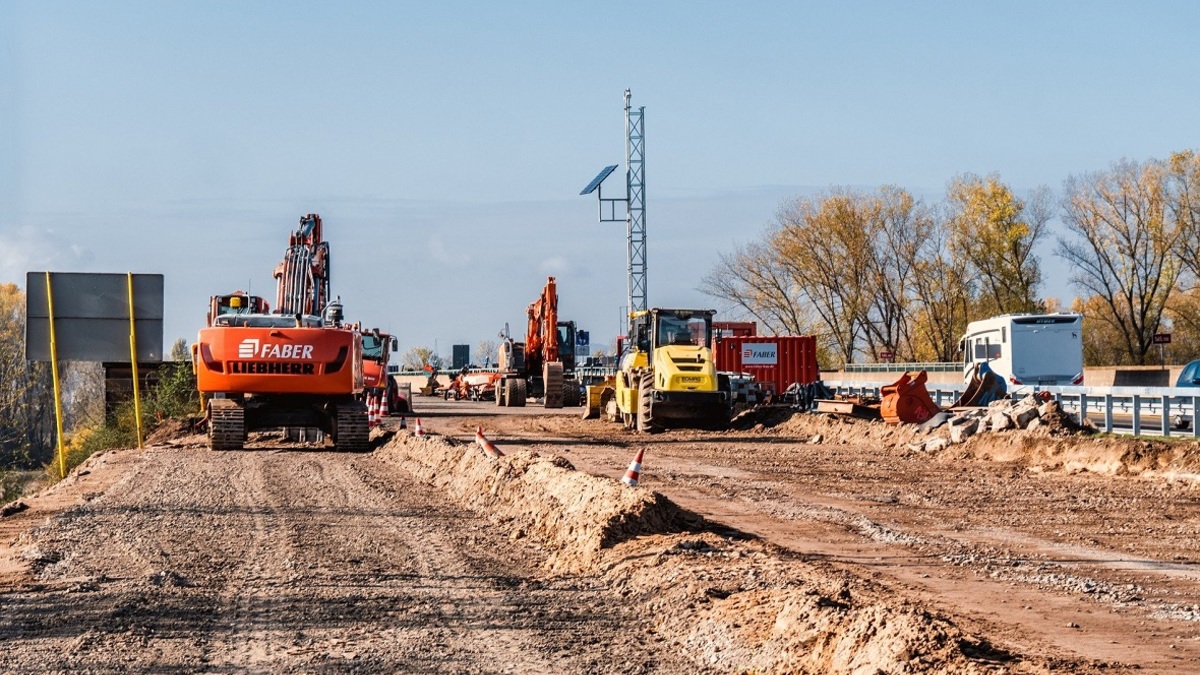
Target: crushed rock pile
731	603
1047	418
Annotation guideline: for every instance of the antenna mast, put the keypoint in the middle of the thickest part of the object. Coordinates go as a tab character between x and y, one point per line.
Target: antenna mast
635	204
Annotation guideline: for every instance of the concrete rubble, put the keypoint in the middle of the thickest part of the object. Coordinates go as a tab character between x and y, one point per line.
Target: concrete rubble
1029	413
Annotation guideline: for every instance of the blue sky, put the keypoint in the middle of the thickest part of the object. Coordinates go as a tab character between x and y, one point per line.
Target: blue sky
445	143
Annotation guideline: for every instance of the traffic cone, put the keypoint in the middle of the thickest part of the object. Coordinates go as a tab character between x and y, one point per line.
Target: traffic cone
634	471
417	430
372	412
403	422
489	448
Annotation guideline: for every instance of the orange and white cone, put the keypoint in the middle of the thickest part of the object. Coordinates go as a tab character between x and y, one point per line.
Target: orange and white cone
489	448
375	420
403	422
417	430
634	472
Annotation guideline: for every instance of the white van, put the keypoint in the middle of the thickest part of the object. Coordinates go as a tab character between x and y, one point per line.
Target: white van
1045	349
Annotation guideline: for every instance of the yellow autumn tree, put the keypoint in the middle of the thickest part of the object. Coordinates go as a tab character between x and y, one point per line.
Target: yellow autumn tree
995	233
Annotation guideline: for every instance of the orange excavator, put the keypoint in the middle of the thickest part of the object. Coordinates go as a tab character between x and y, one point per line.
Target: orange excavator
299	366
543	366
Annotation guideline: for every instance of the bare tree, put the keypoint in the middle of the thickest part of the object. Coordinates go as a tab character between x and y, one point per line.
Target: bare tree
753	279
898	229
416	358
825	247
1124	249
485	353
996	233
942	291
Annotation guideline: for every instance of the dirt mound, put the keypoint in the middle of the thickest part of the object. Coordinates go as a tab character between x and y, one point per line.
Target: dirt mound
745	607
574	515
1056	443
730	603
172	429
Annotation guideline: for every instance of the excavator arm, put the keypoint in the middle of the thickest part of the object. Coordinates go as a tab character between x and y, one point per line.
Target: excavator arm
302	279
541	335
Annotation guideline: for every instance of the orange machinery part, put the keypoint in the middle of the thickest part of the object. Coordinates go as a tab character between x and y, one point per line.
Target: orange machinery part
541	335
301	360
907	400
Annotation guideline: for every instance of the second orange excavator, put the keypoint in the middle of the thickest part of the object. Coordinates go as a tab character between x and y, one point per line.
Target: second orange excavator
543	366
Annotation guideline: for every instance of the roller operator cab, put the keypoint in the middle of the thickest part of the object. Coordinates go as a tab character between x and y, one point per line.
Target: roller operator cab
667	376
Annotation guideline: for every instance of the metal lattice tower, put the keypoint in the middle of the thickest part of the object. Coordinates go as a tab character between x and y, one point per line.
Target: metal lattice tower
635	216
635	203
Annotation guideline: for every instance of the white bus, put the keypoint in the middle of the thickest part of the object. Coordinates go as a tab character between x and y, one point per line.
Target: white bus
1045	349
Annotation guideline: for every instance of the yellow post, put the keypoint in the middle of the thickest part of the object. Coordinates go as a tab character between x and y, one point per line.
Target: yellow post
58	415
137	399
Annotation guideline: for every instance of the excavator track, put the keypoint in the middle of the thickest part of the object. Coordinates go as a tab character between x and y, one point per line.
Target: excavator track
226	424
552	376
352	431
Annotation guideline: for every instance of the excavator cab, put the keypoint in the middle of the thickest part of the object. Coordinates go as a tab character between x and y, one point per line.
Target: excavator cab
236	303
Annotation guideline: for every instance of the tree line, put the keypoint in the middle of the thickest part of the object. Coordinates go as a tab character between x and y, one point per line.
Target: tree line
879	271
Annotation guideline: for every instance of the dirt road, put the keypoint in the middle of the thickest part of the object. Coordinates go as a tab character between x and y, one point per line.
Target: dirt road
177	559
851	554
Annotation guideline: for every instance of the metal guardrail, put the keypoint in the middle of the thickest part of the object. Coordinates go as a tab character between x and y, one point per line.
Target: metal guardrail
1140	411
393	370
931	367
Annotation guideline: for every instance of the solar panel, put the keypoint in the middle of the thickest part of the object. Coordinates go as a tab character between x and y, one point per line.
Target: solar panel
591	187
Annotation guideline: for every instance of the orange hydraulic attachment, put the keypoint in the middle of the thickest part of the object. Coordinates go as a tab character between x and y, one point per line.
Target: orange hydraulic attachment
541	335
907	400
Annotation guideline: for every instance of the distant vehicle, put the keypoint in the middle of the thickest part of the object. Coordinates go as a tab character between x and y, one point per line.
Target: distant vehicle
1027	349
1190	375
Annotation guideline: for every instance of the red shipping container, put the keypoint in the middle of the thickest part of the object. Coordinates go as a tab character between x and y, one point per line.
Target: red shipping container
776	362
725	329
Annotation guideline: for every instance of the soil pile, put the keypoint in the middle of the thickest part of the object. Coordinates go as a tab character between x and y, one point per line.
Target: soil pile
728	602
572	514
1053	442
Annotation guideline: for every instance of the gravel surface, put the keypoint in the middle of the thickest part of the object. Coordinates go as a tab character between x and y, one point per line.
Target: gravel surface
790	544
278	560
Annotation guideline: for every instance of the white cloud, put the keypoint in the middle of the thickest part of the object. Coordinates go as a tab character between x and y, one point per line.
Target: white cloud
437	251
28	249
555	265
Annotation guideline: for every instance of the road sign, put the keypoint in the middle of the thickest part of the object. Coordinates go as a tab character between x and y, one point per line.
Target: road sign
1162	338
887	356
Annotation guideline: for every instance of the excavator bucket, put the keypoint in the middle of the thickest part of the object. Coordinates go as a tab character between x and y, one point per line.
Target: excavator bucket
907	400
985	386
